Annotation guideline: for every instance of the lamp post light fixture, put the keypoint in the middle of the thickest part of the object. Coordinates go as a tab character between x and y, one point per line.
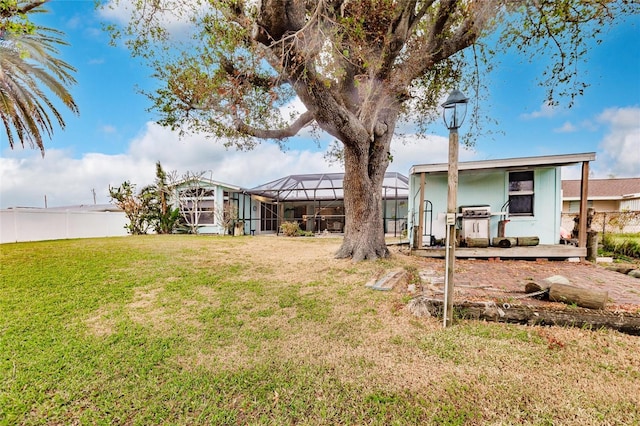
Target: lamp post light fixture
455	110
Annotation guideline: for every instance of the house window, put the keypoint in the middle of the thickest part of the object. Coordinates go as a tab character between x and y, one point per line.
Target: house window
521	193
574	206
207	208
197	205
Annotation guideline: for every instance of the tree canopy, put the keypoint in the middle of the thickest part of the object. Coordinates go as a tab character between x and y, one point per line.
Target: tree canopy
357	68
29	72
150	207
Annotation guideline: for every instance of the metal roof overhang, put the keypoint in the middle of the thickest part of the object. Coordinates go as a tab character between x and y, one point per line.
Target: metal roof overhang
508	163
326	186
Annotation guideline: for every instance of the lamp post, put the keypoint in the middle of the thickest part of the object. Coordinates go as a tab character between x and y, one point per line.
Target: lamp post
455	110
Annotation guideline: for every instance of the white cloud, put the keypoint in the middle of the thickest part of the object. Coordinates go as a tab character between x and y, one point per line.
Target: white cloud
74	22
243	168
571	172
409	151
547	110
589	125
119	11
26	177
108	128
567	127
621	144
174	17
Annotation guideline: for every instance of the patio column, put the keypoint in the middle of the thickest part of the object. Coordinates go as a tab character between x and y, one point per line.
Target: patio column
420	212
584	195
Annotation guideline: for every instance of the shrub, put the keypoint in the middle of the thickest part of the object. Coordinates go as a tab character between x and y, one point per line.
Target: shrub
621	246
290	229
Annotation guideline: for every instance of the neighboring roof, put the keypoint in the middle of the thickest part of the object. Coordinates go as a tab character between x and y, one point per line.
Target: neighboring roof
324	186
603	189
509	163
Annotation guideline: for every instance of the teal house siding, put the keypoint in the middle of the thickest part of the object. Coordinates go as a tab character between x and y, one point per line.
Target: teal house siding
210	206
487	183
545	222
477	188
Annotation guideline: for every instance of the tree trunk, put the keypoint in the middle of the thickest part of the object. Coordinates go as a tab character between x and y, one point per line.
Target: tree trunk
528	241
364	230
477	242
504	242
625	322
587	298
365	167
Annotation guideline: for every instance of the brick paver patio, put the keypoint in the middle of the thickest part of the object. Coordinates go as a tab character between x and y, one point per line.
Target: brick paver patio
506	279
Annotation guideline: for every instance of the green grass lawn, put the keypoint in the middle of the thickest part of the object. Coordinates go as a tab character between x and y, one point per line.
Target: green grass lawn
624	247
273	330
618	238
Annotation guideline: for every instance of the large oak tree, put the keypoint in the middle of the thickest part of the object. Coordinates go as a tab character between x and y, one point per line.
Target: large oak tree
358	67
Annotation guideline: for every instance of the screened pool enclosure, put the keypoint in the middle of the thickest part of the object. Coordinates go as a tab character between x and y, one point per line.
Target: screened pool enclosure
316	203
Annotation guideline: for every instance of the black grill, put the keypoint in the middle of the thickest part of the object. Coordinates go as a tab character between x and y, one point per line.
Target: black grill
475	213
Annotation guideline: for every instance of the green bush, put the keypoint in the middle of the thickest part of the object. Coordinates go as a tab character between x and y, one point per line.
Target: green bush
290	229
620	246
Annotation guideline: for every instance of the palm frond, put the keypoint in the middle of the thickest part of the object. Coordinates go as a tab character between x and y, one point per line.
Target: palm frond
30	73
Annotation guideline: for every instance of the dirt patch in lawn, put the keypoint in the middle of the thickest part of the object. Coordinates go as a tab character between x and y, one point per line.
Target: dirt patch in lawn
309	259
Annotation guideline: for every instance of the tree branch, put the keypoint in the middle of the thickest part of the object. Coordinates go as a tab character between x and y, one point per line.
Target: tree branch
251	79
440	45
305	119
10	12
396	37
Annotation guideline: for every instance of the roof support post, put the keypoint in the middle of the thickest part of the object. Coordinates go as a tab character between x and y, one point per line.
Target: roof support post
278	222
395	228
421	212
584	193
385	221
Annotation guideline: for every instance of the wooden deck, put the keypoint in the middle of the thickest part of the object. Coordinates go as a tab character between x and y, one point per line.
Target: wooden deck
542	251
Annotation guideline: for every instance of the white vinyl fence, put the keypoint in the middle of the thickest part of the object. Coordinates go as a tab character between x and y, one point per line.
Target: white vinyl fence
25	224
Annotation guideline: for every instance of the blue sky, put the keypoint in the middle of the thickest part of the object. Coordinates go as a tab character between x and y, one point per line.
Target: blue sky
115	139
